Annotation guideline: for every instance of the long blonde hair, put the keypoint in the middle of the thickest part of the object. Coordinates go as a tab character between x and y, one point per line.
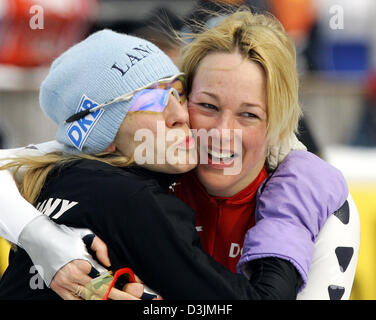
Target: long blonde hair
262	39
37	169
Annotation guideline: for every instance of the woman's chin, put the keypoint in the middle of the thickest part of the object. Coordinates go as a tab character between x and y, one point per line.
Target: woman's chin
214	181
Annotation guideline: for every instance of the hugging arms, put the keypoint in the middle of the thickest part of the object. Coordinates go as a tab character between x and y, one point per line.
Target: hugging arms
294	202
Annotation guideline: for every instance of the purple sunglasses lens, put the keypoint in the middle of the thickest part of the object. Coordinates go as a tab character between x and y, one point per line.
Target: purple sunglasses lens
150	100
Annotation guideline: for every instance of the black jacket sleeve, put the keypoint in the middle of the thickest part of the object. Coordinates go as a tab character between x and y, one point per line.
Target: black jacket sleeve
273	279
153	233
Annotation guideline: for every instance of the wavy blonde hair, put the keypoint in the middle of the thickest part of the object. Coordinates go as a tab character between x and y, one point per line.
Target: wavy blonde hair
262	39
37	169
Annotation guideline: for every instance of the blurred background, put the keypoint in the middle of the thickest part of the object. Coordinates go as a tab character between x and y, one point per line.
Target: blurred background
336	45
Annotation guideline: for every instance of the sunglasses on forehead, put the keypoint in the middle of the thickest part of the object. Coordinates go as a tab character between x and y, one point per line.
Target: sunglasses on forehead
152	97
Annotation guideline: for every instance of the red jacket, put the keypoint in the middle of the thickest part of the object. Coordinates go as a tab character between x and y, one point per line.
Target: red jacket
222	222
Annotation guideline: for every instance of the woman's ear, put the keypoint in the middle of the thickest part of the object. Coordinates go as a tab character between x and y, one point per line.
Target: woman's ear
111	147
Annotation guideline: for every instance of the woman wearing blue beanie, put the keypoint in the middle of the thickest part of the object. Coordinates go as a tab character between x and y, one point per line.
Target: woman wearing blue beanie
89	88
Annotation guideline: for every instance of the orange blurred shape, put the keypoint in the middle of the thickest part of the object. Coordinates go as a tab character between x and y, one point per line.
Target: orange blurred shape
297	16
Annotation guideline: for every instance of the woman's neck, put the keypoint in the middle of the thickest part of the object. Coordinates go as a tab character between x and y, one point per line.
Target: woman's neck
241	185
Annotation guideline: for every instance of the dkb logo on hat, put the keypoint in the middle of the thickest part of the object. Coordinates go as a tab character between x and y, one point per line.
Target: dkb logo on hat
79	130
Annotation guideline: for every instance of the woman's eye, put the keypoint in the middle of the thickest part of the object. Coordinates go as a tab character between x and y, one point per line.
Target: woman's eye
248	115
208	106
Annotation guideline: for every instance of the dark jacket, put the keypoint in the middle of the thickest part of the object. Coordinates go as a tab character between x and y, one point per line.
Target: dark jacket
146	229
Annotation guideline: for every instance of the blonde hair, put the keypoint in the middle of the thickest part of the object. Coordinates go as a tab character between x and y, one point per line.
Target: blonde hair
39	167
262	39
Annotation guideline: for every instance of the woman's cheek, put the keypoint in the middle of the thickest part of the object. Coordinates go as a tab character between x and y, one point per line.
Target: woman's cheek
254	141
196	120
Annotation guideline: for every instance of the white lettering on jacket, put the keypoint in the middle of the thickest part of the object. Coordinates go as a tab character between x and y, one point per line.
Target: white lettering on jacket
49	207
235	250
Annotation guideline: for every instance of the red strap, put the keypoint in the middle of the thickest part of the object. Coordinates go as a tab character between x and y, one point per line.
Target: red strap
116	276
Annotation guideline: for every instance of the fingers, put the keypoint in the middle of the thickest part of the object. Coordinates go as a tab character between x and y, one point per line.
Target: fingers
97	245
101	251
99	286
140	291
68	277
83	292
72	282
135	289
66	294
116	294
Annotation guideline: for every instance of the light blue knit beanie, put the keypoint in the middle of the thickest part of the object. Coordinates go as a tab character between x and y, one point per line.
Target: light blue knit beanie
102	67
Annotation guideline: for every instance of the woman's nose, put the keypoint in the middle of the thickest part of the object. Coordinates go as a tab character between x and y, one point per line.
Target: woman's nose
176	114
225	121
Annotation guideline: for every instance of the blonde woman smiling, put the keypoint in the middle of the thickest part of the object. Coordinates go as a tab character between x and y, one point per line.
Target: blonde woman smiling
240	76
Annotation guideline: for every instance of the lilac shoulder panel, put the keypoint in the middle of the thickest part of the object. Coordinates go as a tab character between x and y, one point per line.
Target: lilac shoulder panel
292	206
